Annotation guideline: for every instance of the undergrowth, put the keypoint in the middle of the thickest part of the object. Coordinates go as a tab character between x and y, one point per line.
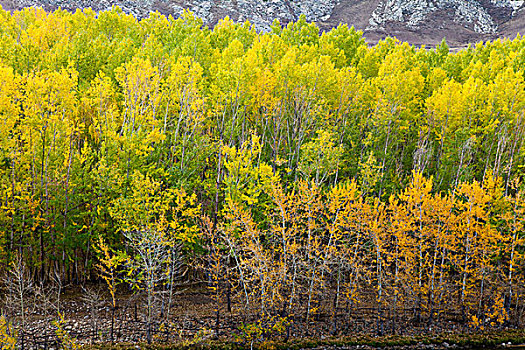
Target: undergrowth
464	341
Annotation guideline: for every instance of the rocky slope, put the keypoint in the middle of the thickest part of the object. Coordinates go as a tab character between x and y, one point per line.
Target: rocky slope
417	21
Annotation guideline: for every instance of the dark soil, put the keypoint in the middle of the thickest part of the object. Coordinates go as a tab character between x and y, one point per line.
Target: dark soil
192	322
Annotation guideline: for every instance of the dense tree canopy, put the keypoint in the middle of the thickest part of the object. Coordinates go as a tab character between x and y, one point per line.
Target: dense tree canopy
388	168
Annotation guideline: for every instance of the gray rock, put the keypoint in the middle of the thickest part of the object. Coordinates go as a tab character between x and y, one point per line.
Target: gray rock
474	18
471	14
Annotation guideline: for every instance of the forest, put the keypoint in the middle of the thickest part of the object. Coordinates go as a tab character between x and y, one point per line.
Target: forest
293	177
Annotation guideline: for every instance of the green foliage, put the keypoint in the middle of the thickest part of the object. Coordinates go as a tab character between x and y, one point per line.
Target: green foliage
246	177
262	330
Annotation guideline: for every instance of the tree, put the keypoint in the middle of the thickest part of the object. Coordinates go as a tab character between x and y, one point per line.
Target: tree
156	225
111	267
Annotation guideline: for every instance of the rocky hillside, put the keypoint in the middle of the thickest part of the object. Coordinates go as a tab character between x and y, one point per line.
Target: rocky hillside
417	21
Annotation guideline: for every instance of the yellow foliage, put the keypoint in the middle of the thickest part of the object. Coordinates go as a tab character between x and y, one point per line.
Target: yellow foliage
67	342
7	335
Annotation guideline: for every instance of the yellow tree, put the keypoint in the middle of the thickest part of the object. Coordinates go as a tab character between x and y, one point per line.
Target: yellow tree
320	157
344	209
475	240
514	219
49	129
395	98
419	235
184	116
248	184
110	266
285	229
313	245
157	223
10	148
444	225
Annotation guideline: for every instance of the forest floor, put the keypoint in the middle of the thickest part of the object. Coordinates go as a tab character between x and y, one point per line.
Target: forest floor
89	319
